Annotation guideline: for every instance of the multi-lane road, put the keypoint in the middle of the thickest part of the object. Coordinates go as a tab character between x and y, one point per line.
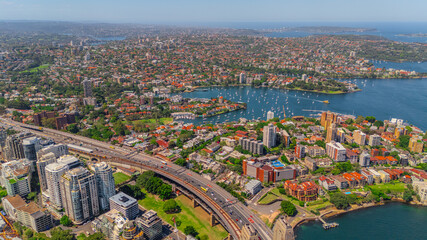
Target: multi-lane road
232	213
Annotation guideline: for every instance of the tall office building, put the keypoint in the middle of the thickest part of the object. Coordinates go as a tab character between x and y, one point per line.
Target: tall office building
359	137
3	136
242	78
374	140
105	182
43	161
270	115
269	136
282	230
54	172
79	195
331	133
151	225
249	233
30	146
87	88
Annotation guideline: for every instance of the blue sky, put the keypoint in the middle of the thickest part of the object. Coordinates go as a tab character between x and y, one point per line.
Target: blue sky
193	11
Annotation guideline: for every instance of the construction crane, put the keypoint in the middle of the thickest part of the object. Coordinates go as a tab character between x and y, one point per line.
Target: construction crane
8	235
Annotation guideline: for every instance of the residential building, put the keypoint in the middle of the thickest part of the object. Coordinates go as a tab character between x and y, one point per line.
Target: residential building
339	181
13	148
242	78
54	172
125	204
327	183
359	137
253	186
416	144
327	118
151	225
38	117
43	161
306	191
299	150
69	160
331	133
385	177
420	188
79	195
87	88
29	215
364	159
376	175
16	177
269	136
132	231
249	233
374	140
270	115
57	149
110	224
310	163
30	146
369	176
252	145
336	151
105	183
315	151
282	230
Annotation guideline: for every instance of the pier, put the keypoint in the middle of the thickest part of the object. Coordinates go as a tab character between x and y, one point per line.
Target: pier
326	225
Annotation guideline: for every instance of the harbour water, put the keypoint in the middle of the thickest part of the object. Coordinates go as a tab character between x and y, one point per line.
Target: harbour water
382	98
392	221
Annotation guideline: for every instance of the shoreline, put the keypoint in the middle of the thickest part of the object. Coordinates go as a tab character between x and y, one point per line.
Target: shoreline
337	212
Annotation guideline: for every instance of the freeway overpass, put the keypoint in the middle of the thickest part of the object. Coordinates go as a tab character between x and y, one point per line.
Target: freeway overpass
232	214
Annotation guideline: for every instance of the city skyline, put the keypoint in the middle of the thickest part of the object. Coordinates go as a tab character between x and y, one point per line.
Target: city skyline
203	12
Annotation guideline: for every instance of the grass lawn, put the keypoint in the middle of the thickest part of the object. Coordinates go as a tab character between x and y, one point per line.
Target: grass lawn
188	216
36	68
270	197
394	188
120	177
161	120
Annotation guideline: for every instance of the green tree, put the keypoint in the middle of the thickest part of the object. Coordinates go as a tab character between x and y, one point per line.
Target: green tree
49	123
32	196
171	206
73	128
165	191
359	119
407	195
340	200
59	234
288	208
379	123
29	233
65	221
153	185
404	140
133	191
190	230
143	178
181	162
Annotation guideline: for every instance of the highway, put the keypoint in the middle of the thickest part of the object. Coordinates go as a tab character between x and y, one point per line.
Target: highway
232	213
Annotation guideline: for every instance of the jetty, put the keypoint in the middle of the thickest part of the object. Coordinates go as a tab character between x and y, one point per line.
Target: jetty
326	225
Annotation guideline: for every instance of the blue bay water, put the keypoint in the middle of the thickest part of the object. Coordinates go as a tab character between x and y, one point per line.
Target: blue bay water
382	98
392	221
